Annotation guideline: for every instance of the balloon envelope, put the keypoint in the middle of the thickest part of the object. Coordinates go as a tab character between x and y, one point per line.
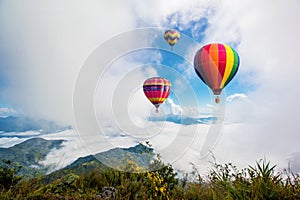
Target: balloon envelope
157	90
172	36
216	64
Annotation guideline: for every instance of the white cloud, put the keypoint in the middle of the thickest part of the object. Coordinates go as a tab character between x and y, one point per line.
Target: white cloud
72	149
4	112
41	63
294	162
120	103
175	109
22	134
166	14
236	97
268	47
176	144
6	142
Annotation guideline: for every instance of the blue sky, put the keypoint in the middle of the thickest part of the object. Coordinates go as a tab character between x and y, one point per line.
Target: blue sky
44	45
193	28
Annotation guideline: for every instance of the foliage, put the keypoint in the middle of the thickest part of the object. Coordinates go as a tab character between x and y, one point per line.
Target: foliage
28	154
260	181
8	177
256	182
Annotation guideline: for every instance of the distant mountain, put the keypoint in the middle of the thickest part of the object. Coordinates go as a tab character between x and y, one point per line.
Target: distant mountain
28	154
117	158
185	120
140	154
23	124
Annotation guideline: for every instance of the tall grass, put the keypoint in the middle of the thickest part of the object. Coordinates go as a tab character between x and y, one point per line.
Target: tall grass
260	181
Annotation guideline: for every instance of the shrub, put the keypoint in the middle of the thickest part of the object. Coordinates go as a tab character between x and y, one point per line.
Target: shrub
8	177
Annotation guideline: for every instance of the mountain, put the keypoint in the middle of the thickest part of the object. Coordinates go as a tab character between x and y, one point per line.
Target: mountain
28	154
23	124
117	158
140	154
185	120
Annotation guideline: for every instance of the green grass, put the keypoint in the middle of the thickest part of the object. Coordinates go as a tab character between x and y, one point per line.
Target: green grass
260	181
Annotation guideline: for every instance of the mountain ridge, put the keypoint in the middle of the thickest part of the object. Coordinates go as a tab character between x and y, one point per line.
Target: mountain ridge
26	156
184	120
24	123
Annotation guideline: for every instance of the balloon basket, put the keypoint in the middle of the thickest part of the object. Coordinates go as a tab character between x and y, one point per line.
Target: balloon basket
217	99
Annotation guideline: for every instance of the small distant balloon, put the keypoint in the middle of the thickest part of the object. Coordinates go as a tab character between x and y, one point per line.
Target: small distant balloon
157	90
216	64
172	36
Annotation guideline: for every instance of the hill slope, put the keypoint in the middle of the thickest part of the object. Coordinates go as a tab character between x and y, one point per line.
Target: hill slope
28	154
124	159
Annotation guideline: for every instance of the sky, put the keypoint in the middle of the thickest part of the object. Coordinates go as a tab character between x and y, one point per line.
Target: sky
83	64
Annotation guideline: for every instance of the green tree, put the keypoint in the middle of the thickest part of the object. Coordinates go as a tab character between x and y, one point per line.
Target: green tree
8	177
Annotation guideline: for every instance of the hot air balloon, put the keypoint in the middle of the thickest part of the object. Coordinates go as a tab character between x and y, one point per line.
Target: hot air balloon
216	64
172	36
157	90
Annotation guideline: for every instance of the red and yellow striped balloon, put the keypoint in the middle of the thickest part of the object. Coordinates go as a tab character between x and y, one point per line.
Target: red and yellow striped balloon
157	90
216	64
172	36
